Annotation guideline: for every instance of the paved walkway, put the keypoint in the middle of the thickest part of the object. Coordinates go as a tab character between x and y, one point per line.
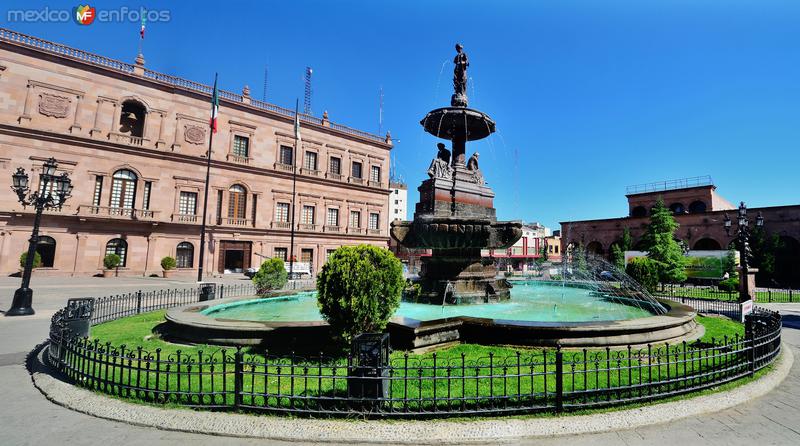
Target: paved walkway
27	418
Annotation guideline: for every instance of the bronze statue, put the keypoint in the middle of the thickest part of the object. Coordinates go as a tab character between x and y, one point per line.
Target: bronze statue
461	62
443	154
440	166
472	164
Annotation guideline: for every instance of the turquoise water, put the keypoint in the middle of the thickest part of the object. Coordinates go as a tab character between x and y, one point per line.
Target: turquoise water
529	302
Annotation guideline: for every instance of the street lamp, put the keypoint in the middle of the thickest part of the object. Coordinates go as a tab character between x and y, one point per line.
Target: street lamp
746	288
53	192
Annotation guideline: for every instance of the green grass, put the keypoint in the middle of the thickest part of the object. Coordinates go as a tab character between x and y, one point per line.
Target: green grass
198	374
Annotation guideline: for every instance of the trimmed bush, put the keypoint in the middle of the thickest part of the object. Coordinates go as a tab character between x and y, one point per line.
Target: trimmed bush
731	284
111	261
37	259
168	263
270	276
359	290
644	271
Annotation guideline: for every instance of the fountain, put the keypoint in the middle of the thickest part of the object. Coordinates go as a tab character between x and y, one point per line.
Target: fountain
455	217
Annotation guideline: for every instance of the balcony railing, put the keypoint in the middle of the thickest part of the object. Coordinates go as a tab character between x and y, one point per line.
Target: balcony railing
127	139
332	228
334	176
357	180
116	212
311	172
235	221
238	159
185	218
284	167
375	183
352	230
374	231
281	225
306	227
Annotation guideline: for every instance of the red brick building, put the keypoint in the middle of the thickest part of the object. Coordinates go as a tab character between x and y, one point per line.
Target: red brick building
700	211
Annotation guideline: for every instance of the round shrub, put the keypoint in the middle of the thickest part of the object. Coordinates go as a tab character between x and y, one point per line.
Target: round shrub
111	261
644	271
359	289
731	284
37	259
270	276
168	263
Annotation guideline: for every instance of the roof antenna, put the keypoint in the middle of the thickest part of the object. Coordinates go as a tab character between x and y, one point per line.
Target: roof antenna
308	91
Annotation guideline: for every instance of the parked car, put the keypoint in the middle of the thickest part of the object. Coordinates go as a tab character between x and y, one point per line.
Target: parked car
250	272
607	275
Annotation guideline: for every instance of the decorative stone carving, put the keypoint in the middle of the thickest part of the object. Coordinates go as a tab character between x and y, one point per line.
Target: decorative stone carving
440	169
194	134
52	105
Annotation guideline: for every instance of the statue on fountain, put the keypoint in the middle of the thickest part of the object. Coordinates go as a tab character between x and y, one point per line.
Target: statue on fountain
440	166
472	166
461	62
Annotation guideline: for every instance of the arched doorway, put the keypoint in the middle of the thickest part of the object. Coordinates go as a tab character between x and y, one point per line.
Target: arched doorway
677	208
706	244
595	249
46	247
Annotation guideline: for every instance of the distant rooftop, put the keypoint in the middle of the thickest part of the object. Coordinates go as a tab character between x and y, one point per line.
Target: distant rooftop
13	37
660	186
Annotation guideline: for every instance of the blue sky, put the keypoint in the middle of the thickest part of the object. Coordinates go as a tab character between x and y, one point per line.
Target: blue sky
588	96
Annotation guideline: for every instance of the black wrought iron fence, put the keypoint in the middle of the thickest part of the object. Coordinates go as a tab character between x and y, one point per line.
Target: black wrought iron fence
763	295
408	385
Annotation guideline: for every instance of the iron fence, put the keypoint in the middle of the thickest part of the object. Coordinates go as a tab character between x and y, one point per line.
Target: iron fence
763	295
550	380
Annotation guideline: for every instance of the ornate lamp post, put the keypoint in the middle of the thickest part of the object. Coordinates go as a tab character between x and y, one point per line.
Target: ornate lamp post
53	191
747	285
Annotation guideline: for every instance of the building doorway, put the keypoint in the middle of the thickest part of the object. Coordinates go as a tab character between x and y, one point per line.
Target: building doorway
234	257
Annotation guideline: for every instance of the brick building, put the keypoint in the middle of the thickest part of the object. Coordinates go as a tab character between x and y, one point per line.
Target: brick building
134	142
700	211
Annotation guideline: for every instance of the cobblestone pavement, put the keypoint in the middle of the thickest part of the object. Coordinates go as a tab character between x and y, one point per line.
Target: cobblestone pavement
27	418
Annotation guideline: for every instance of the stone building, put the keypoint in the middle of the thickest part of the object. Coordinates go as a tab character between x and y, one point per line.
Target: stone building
524	253
134	142
700	211
398	201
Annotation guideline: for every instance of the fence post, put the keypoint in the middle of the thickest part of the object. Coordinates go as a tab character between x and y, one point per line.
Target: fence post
238	377
139	302
221	290
790	295
559	379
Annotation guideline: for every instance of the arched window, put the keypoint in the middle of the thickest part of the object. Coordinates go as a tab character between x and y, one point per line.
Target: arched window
119	247
697	207
184	255
131	118
677	208
639	211
123	189
237	201
46	247
707	244
595	248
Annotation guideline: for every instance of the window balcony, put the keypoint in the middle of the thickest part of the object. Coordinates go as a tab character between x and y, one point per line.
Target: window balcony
130	140
352	230
374	231
375	183
186	218
357	180
117	213
336	229
284	167
235	221
238	159
281	225
334	176
306	227
311	172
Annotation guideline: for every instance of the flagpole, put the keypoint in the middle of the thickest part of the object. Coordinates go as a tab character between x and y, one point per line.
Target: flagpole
294	185
205	194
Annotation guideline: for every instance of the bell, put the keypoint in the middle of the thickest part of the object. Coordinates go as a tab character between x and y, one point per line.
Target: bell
131	116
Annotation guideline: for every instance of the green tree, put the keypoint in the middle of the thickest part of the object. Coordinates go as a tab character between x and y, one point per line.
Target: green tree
626	243
359	289
270	276
37	259
729	263
542	254
644	271
579	262
617	256
659	240
168	263
763	246
111	261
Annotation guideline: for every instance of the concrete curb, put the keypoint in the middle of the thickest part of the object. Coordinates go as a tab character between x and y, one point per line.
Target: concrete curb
410	432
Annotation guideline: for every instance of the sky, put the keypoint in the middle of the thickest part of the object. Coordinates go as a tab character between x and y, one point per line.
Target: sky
589	97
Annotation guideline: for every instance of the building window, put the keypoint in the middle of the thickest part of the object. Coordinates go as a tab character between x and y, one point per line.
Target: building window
307	217
46	248
131	119
556	249
51	189
241	146
697	207
282	212
310	161
184	255
374	218
286	155
119	247
328	254
355	219
281	253
333	217
336	165
356	170
148	185
187	203
306	255
375	174
237	201
123	189
98	190
639	211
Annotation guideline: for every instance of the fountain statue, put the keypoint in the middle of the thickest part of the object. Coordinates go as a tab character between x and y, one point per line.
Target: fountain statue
455	217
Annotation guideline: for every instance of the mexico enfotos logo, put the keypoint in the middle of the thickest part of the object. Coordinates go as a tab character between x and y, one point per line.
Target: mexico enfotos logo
87	14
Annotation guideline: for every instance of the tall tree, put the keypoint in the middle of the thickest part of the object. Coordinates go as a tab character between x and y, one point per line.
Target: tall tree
763	247
659	240
618	249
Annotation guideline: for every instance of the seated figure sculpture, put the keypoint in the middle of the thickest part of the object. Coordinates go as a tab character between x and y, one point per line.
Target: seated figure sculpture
440	166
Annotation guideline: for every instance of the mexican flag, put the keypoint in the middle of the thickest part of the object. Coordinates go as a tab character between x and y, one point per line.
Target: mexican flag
141	31
297	122
214	106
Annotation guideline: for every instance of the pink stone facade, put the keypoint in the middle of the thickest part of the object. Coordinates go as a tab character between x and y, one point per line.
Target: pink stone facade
134	143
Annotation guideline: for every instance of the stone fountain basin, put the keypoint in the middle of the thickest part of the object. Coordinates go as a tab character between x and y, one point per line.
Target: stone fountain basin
456	233
449	122
188	324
